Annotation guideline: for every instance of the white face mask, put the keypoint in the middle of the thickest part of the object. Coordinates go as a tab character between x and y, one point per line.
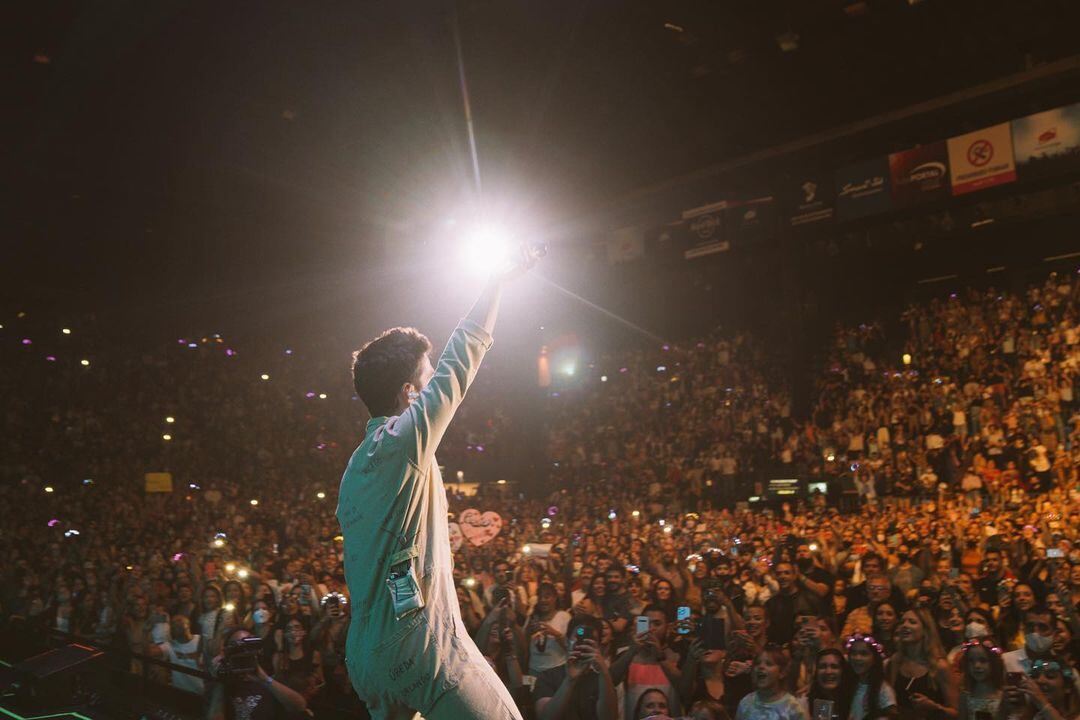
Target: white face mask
975	630
260	616
1037	643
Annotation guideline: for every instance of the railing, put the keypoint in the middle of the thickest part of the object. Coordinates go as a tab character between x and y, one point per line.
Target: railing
118	691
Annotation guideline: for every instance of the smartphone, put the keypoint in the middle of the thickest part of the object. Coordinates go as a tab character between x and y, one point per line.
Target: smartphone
711	631
641	625
1013	678
682	613
824	709
584	632
1054	553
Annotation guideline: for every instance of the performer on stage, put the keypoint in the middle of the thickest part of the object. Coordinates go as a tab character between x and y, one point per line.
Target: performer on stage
407	649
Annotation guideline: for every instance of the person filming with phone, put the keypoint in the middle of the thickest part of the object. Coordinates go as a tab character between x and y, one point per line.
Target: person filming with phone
582	687
649	662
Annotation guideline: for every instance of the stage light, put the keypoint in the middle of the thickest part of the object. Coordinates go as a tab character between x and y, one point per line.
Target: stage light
488	248
66	331
500	482
320	495
49	489
603	378
166	437
264	377
636	513
170	419
322	396
84	363
254	502
906	357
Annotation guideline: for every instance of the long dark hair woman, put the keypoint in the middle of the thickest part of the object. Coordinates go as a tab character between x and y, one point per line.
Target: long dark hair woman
872	697
832	687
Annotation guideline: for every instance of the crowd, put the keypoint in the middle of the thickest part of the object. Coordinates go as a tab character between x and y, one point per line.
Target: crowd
937	577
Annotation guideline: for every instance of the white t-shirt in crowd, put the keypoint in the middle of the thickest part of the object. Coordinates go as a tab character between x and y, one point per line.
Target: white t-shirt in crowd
553	654
186	654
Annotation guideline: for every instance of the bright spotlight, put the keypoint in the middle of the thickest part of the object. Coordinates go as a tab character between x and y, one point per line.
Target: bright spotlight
320	495
486	249
254	502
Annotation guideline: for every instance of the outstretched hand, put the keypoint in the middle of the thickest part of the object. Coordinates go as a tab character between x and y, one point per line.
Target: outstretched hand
523	259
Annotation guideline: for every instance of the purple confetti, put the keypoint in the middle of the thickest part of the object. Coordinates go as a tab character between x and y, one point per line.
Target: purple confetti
50	358
309	395
54	522
27	341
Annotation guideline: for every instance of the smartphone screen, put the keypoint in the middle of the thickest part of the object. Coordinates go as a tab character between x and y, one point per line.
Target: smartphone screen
713	634
824	709
683	613
641	625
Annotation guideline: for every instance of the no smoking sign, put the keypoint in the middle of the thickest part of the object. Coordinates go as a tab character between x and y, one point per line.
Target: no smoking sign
980	152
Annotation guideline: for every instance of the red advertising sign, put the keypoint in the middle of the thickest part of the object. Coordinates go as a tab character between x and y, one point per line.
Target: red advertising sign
920	175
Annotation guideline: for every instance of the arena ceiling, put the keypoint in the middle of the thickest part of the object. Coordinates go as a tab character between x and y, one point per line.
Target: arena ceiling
141	125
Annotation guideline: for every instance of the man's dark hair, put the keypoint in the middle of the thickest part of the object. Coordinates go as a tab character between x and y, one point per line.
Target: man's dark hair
386	363
654	608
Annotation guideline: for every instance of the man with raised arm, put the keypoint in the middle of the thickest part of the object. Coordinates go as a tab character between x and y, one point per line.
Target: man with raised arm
407	650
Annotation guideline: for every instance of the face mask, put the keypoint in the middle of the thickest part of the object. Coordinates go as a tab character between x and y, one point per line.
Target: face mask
975	630
160	633
1037	643
260	616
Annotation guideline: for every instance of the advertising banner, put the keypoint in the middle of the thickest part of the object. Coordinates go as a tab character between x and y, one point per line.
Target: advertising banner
809	199
751	222
1047	143
863	189
981	159
920	175
704	228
